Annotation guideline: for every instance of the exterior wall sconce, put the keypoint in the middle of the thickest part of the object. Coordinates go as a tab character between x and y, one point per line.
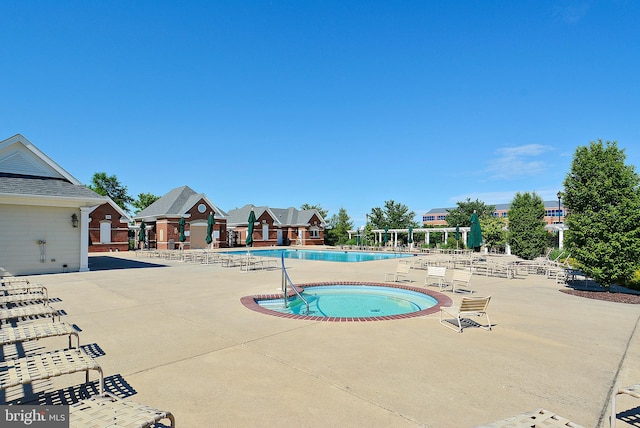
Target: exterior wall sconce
74	220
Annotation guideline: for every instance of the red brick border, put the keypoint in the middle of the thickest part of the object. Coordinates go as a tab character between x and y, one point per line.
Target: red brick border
251	302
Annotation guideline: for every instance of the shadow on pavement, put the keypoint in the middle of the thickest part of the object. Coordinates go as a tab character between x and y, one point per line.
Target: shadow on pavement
110	263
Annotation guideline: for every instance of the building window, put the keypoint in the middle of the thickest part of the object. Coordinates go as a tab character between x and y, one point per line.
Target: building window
105	232
442	217
314	232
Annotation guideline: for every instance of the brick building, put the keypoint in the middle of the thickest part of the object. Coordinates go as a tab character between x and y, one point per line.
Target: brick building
108	228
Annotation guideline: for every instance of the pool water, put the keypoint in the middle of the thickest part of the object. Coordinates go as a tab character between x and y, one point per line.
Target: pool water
329	256
353	301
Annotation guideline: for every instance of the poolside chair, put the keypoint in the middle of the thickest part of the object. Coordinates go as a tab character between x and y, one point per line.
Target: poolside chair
30	311
461	278
249	262
106	410
28	332
633	390
25	370
470	306
436	276
26	297
402	271
537	418
21	286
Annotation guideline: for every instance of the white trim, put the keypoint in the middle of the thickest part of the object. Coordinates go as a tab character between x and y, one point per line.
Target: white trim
48	201
84	239
20	139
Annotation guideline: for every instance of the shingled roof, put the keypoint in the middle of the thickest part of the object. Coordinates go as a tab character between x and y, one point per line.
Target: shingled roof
176	203
45	187
28	175
282	216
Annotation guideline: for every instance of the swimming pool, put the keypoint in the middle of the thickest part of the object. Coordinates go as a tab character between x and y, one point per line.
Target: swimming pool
329	255
349	301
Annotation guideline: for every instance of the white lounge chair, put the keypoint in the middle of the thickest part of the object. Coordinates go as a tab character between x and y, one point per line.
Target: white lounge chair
25	370
402	271
537	418
633	390
436	275
29	311
461	278
470	306
106	410
35	331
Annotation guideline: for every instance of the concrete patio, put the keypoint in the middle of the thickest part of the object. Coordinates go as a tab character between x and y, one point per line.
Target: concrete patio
179	339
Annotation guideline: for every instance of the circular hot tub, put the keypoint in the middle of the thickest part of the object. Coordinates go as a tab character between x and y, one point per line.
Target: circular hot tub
350	301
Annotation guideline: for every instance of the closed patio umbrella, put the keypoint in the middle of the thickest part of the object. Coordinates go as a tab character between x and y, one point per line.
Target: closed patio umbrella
210	224
182	236
141	237
457	235
251	221
410	240
385	238
474	240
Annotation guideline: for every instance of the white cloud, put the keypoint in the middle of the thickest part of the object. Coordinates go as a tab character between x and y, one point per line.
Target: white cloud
518	161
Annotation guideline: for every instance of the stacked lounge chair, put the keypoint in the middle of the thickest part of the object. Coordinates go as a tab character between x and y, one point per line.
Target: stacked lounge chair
27	316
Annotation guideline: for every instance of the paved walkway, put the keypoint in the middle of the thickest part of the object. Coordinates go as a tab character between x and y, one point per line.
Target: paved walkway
175	336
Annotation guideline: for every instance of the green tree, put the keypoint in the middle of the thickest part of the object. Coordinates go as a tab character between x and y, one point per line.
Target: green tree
394	216
493	232
108	185
527	236
143	201
338	227
324	213
603	198
461	215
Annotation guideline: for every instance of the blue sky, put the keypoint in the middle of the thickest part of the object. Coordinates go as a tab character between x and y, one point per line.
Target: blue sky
337	103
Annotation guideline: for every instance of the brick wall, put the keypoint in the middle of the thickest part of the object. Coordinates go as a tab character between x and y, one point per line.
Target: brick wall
119	239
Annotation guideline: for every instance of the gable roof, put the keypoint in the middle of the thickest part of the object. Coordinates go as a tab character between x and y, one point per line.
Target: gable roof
281	216
29	177
176	203
19	156
123	215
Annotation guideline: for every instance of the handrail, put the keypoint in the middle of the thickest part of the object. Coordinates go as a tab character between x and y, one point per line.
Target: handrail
285	278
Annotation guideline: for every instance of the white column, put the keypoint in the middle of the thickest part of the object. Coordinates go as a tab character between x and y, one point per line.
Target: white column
84	239
464	237
446	236
561	238
427	238
507	249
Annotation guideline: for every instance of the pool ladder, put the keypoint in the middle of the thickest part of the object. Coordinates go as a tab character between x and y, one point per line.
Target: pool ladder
287	281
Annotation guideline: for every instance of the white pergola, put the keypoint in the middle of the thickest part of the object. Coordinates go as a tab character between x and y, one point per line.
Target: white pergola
379	233
559	228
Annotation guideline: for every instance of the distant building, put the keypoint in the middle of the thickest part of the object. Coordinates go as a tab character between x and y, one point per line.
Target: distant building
438	216
276	226
108	228
162	221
